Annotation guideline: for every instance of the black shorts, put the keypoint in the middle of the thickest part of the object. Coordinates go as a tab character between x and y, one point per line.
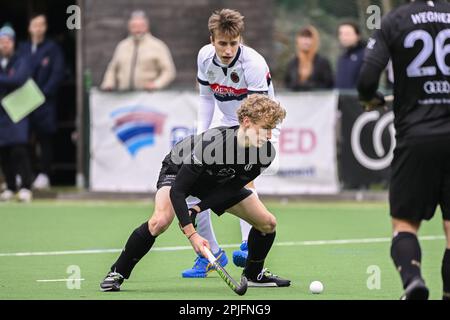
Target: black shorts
420	180
167	177
167	174
232	201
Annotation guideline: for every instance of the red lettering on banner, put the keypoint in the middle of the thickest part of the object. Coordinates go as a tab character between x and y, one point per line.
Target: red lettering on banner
287	141
302	141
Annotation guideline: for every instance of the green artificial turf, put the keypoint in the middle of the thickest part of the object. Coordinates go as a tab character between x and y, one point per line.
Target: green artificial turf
64	227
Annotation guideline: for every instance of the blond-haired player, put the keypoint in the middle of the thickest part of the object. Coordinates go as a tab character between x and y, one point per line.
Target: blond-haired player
218	179
228	72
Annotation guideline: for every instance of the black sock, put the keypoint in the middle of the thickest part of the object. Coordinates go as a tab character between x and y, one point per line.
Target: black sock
407	256
138	244
259	245
446	274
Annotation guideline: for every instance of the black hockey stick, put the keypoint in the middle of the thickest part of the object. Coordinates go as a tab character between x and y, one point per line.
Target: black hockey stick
239	288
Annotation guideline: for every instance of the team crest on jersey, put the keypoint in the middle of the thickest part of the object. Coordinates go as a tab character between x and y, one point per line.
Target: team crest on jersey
226	172
234	77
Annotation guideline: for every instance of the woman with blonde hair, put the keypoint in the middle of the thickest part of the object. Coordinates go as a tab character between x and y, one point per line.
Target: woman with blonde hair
308	70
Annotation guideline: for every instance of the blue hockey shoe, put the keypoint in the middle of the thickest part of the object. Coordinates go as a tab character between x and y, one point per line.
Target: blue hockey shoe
240	256
202	266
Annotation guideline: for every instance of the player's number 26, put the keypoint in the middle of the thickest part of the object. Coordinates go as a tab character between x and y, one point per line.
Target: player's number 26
416	69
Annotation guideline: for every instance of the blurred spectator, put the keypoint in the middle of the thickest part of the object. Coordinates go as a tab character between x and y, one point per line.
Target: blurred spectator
141	61
350	61
308	70
14	158
48	69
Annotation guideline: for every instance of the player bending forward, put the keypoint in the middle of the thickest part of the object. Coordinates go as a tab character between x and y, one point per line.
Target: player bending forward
214	167
228	72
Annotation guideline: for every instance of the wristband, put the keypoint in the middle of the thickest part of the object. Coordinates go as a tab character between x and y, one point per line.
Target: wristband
189	238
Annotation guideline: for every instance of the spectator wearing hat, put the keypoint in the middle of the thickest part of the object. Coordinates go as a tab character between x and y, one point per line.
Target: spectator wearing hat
14	158
141	61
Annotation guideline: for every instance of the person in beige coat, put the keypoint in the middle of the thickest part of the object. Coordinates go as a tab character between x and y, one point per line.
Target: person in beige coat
141	61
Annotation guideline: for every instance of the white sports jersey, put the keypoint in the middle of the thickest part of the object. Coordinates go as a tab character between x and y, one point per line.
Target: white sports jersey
248	73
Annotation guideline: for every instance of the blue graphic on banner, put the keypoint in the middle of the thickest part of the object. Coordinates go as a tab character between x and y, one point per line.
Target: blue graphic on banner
137	126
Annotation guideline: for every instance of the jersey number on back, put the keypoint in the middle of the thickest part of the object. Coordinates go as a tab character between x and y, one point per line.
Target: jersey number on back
416	69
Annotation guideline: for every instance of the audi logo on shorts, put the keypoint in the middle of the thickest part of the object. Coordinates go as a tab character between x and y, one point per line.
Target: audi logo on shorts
382	123
432	87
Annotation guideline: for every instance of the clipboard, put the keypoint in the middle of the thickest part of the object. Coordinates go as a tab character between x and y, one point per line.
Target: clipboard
21	102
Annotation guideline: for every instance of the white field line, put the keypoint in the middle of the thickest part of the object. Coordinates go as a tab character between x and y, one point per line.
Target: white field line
279	244
60	280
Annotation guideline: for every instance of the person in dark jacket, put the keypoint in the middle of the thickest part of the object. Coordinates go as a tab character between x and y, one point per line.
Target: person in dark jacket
350	61
14	158
308	70
48	70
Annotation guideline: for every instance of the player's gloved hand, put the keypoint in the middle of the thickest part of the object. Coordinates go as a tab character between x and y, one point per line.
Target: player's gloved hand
193	215
193	212
376	102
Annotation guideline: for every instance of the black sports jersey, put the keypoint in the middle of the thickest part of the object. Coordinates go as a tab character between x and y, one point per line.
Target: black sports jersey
213	168
416	36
